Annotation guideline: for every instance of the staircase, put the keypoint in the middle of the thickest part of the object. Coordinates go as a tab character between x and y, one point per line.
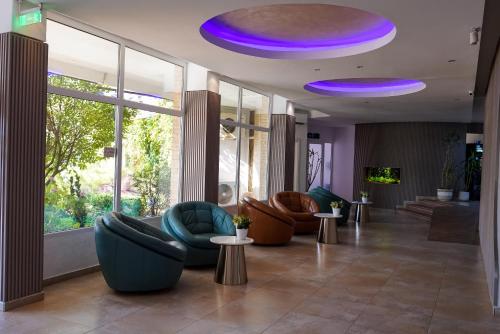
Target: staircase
422	207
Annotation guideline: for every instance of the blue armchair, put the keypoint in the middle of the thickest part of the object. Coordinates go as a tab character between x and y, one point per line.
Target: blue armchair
193	224
324	197
135	256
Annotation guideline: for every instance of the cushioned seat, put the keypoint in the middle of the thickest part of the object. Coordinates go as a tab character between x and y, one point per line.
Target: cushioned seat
300	207
269	226
193	224
135	256
324	197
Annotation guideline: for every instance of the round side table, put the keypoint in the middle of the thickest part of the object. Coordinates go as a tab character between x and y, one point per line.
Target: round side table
362	212
328	228
231	267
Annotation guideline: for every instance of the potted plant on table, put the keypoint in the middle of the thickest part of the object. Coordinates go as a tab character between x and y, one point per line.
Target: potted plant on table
242	223
364	196
445	192
471	165
336	206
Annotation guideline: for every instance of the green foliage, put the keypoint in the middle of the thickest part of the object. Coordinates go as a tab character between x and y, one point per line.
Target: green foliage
337	204
386	175
241	221
471	165
76	202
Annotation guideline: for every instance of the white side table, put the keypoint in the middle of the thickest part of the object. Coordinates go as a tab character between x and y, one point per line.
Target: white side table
328	228
231	267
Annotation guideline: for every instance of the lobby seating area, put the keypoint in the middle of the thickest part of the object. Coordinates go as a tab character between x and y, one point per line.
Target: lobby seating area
298	206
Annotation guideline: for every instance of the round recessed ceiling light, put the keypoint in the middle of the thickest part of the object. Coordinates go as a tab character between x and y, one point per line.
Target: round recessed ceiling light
365	87
299	31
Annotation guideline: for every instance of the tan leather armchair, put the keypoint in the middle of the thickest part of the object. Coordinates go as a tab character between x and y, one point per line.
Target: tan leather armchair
300	207
269	227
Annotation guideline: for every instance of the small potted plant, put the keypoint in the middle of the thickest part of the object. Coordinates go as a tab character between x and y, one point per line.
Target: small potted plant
336	206
364	196
242	223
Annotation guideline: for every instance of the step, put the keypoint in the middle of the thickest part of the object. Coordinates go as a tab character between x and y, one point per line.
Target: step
423	217
433	203
422	209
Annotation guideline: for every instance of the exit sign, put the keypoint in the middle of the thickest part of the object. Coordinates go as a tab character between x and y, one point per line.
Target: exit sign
30	18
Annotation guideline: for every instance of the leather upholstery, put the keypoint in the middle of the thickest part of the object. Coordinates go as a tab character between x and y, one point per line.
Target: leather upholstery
193	224
269	226
324	197
135	256
300	207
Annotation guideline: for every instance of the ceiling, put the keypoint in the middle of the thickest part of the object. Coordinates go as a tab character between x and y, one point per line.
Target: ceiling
429	33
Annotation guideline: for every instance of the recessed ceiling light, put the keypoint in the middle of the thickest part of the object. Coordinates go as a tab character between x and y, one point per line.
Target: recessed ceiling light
452	60
317	69
359	66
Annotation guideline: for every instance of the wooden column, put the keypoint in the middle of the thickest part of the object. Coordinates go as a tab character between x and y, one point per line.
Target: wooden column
23	97
281	160
201	146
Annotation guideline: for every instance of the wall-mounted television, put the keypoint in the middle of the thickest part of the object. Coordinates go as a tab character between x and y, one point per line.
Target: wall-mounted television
383	175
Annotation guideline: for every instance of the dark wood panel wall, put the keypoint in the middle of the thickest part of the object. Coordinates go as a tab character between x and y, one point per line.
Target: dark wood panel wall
415	148
281	160
201	146
23	95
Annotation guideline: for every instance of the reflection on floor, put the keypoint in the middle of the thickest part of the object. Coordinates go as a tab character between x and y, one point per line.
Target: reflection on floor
384	278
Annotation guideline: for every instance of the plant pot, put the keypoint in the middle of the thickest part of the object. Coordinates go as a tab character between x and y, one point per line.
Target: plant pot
364	199
445	194
241	234
336	211
463	196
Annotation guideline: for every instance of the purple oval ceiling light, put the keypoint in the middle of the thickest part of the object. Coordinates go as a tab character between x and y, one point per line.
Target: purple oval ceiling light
365	87
299	31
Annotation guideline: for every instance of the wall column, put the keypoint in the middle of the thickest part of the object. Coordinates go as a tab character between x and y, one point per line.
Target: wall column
23	96
201	146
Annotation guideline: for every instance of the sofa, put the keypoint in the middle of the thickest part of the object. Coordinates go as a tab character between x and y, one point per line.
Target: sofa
324	197
136	257
300	207
193	224
269	226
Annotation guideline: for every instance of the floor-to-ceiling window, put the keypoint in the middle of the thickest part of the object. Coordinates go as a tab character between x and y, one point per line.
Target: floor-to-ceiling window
244	143
113	127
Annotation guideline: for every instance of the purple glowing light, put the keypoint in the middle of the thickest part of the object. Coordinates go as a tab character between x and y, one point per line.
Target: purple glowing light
229	36
372	87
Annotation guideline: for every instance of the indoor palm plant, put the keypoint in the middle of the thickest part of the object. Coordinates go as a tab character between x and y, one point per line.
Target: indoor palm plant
336	206
242	223
471	165
445	191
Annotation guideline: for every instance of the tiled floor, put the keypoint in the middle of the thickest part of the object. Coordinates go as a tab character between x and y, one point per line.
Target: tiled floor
385	277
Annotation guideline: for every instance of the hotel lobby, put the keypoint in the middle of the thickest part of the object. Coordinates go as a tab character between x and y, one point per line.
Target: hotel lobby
249	166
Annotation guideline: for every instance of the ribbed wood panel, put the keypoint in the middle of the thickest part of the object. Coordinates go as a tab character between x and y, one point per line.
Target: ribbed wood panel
489	233
415	148
281	160
23	96
201	146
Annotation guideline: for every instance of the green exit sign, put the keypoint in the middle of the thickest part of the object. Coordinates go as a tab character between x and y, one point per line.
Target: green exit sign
30	18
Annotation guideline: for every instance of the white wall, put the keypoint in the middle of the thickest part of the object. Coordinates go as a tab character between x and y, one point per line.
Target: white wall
343	161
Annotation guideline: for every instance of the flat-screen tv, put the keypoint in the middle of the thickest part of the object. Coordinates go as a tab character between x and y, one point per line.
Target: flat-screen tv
383	175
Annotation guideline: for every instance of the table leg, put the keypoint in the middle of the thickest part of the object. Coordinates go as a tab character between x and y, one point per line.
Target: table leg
328	231
357	218
231	267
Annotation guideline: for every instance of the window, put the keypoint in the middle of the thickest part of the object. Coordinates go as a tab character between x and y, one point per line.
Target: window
109	148
244	144
319	166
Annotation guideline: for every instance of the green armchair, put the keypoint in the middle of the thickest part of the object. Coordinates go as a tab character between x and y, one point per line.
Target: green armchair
136	257
324	197
193	224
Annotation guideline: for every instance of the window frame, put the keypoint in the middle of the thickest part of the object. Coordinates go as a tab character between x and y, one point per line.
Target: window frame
119	102
239	125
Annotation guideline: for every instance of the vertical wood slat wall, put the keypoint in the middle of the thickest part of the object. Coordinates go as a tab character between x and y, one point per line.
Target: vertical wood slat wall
281	160
415	148
488	216
23	97
201	146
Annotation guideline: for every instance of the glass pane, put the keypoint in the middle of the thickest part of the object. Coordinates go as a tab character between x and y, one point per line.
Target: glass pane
327	167
81	61
227	165
229	101
79	179
314	166
255	109
150	167
253	163
151	80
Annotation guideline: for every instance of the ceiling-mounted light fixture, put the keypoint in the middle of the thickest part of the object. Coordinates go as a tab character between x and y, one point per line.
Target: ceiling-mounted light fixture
474	36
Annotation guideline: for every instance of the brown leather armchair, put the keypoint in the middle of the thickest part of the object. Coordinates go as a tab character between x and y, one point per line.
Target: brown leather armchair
269	227
300	207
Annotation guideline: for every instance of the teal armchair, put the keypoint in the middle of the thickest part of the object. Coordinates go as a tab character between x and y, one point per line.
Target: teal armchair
324	197
135	256
193	224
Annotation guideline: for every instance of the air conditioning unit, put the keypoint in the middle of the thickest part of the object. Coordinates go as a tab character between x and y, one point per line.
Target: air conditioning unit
227	193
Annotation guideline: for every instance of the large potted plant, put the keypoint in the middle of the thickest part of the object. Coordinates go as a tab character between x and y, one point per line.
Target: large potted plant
445	191
471	165
242	223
